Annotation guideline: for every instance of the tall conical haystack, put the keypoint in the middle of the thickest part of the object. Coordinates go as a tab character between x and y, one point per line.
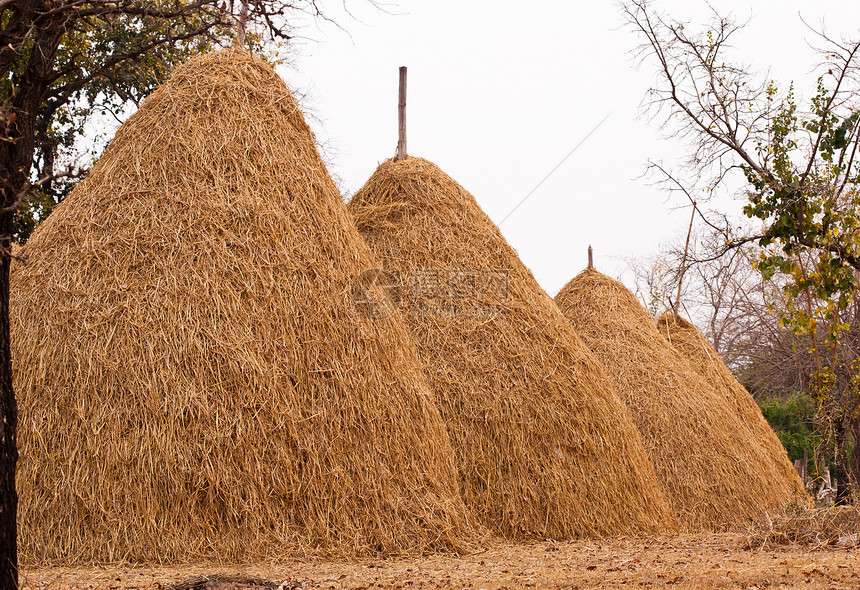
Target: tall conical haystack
715	472
544	446
193	380
692	345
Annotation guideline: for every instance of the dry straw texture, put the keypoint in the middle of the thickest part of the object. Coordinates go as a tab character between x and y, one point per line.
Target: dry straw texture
714	470
704	358
193	380
815	528
543	444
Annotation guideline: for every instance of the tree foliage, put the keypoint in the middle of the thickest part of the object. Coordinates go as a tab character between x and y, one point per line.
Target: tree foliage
801	166
792	417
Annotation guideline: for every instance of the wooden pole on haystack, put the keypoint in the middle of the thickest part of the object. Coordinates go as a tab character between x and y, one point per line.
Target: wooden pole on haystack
590	258
401	117
242	24
684	262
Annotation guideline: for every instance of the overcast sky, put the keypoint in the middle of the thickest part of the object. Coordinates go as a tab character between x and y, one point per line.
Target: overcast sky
500	92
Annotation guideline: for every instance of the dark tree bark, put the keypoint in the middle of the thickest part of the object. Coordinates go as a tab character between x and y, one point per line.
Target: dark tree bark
15	158
8	428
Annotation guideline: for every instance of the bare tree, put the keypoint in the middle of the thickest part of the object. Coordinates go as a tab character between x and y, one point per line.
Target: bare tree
800	175
724	296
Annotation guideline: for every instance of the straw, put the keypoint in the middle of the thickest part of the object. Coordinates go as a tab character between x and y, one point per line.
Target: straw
715	472
706	361
193	379
543	444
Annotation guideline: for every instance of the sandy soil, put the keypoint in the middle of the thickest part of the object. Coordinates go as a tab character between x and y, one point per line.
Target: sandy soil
690	561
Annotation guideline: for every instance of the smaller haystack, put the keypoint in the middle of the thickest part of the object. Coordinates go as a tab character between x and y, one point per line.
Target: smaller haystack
543	444
704	358
715	472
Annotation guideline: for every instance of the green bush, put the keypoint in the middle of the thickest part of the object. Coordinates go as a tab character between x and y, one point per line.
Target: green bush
792	418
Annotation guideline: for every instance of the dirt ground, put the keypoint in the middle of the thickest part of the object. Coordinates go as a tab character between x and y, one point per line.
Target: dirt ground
690	561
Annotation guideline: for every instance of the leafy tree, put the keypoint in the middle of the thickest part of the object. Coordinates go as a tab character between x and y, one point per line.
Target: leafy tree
793	419
64	63
800	170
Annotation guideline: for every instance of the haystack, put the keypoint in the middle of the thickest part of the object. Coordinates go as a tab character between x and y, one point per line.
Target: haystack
694	347
543	444
716	473
193	379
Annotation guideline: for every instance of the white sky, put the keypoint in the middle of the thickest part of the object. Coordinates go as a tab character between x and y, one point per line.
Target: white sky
499	92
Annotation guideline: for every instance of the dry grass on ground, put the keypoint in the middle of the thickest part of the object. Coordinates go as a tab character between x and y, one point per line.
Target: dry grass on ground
816	528
688	561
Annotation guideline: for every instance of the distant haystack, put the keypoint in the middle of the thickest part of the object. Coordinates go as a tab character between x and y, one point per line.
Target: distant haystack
704	358
716	473
544	446
193	379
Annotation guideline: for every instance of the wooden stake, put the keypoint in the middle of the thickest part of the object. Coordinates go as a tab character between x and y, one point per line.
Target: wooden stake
590	258
241	25
401	117
684	263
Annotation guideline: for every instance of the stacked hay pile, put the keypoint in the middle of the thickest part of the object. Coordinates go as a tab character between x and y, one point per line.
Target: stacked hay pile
543	444
193	379
706	361
716	473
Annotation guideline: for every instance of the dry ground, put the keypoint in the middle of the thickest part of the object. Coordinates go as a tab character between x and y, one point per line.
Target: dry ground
688	561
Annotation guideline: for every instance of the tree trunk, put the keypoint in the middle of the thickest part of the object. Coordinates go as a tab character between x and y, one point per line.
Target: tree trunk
843	484
16	158
854	460
8	429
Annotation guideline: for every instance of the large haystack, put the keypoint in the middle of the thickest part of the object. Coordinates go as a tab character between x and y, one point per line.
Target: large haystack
193	379
704	358
714	470
544	446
